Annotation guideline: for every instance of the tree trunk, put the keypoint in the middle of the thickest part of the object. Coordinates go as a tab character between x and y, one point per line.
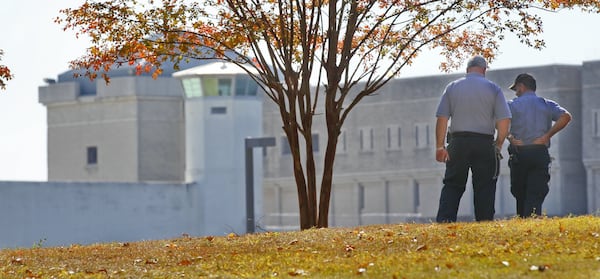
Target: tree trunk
332	118
311	177
290	128
306	220
327	181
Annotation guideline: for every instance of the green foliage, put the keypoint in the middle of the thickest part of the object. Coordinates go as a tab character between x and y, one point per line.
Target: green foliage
516	248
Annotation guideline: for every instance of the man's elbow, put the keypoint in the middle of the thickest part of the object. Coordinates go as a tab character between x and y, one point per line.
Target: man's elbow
566	117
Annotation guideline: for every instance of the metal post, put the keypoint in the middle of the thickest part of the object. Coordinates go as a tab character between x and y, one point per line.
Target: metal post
250	143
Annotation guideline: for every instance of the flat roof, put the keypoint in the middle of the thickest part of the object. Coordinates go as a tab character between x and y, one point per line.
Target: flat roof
215	68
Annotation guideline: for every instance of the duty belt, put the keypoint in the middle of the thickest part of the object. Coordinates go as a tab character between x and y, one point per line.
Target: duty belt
471	135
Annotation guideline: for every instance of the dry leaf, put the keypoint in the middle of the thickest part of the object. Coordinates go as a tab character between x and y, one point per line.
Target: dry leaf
561	227
185	262
349	248
388	232
231	236
297	272
361	270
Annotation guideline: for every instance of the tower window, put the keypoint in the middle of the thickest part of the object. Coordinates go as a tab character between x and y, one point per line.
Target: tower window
92	155
218	110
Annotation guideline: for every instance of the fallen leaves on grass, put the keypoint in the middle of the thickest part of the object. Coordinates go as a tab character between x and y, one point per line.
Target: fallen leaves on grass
499	249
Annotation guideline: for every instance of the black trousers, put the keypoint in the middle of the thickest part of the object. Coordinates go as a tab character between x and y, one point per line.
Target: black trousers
529	176
475	153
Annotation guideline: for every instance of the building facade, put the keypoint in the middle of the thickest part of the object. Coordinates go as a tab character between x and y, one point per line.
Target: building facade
129	130
134	131
385	171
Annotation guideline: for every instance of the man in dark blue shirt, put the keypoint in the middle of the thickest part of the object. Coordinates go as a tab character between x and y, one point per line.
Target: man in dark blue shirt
476	108
530	133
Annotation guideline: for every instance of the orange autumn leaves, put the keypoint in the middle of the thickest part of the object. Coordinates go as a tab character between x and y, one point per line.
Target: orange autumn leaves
147	35
5	74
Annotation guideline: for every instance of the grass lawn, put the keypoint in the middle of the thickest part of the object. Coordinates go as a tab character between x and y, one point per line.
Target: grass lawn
515	248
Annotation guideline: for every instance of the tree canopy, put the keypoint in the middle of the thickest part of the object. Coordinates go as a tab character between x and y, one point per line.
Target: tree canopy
308	55
5	74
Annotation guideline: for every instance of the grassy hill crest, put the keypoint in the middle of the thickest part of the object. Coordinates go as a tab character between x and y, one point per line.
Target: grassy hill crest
516	248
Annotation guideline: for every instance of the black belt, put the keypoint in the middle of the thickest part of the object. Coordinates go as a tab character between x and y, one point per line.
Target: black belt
516	148
471	135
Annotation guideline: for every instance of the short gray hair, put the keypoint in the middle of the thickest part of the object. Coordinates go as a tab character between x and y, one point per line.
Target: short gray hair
477	61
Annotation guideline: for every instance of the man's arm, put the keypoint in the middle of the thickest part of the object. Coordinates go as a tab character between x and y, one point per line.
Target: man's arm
502	126
560	123
441	126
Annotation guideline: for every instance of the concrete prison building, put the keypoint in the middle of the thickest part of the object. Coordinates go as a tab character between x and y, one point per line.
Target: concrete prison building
137	131
385	169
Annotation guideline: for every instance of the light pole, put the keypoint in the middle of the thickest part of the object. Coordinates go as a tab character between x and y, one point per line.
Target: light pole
250	143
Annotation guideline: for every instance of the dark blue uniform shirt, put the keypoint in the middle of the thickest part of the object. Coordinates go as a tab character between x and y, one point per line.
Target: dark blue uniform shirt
532	116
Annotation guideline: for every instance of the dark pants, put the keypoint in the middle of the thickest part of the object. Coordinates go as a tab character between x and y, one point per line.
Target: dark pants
476	153
529	176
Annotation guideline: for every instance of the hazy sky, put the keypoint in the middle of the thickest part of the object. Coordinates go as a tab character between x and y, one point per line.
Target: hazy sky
36	48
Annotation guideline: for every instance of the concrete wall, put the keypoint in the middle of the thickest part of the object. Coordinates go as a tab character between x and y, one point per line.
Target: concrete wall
60	213
136	124
591	132
65	213
109	126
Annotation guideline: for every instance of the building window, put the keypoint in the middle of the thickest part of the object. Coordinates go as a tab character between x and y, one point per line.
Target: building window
212	86
422	135
394	138
192	87
92	155
596	123
285	145
245	86
315	143
366	139
218	110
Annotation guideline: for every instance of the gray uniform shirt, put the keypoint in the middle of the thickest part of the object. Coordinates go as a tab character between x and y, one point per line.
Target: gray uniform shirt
473	104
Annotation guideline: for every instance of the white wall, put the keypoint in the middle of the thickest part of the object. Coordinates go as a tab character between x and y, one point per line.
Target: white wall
64	213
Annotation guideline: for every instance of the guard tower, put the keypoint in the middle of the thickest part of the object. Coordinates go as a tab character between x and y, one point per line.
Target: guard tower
222	108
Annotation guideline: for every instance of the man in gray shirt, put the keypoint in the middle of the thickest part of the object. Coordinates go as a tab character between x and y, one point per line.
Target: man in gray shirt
476	108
